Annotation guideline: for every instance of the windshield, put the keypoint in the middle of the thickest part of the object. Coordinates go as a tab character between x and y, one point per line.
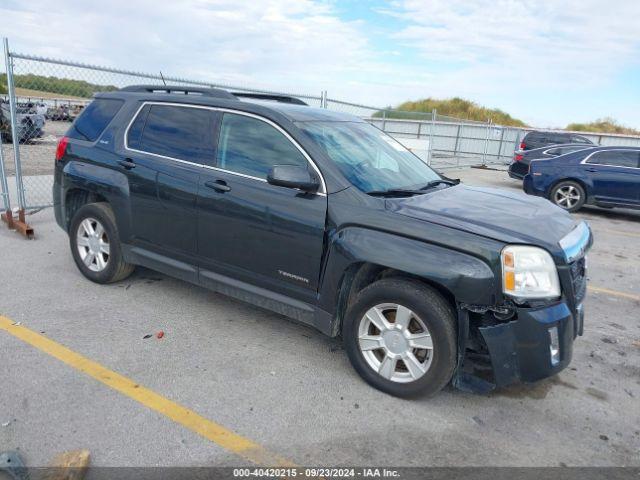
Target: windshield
369	158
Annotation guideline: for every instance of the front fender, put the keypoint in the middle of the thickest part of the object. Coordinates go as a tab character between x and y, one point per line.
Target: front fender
469	278
102	181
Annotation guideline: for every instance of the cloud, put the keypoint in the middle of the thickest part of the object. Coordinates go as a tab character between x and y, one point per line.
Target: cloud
560	43
273	43
535	59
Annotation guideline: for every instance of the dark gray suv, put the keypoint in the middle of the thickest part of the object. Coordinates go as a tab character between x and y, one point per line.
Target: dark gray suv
322	217
539	139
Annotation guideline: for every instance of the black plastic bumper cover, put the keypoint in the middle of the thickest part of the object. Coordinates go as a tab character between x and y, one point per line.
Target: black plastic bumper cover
520	349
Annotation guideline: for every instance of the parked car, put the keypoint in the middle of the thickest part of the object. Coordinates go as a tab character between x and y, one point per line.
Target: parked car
601	176
322	217
29	124
62	113
539	139
521	159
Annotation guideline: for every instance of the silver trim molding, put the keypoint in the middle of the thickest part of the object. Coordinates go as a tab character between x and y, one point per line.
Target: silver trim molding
584	162
575	243
323	190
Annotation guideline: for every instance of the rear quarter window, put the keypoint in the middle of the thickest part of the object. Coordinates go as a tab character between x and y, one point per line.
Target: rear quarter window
616	158
94	119
178	132
580	139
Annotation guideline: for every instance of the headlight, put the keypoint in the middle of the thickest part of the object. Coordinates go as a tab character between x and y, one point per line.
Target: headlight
529	273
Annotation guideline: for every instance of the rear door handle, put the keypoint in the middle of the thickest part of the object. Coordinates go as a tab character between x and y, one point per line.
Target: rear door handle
593	170
218	186
127	163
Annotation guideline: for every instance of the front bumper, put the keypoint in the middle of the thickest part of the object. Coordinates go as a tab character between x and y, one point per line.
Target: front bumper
521	350
518	170
527	184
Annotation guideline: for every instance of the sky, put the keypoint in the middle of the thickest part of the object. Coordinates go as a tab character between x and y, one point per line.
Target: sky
548	63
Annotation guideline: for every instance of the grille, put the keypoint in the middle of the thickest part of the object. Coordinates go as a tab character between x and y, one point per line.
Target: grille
579	279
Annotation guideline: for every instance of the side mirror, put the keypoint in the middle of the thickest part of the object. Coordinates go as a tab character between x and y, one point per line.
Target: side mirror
293	176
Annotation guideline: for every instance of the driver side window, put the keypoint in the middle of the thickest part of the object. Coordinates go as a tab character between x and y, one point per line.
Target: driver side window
251	147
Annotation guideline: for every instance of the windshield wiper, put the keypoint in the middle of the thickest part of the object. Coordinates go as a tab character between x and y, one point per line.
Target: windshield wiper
446	181
395	192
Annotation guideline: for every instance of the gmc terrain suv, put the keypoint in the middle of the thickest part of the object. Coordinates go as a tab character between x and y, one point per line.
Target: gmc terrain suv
324	218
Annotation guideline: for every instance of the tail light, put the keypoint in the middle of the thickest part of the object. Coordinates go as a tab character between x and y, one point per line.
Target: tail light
61	150
518	157
523	145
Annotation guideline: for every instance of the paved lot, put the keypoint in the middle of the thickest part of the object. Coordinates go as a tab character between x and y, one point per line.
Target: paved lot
37	154
287	387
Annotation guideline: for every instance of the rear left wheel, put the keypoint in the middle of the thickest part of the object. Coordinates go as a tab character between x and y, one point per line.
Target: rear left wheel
95	245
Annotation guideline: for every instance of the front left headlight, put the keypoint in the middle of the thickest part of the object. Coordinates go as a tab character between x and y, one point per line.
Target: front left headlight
529	273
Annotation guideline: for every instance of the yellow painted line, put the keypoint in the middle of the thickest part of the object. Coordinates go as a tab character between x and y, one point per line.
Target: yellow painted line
212	431
614	293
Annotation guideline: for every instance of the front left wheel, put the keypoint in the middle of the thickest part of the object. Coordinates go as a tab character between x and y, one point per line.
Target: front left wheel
400	336
95	244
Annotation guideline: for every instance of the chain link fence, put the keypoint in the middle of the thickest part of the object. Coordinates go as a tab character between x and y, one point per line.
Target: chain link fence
45	95
48	95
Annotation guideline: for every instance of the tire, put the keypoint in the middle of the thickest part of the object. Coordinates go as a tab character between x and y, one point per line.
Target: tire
427	309
107	264
568	195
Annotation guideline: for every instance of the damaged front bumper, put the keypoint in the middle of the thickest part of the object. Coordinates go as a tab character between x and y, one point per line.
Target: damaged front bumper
536	345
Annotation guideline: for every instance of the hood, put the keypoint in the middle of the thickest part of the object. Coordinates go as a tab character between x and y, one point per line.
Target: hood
510	217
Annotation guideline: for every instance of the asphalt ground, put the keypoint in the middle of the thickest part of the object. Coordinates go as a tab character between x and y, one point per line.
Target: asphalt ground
231	384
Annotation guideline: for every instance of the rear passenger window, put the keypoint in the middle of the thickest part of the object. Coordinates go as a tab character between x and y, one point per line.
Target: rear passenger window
558	138
134	136
616	158
564	150
183	133
554	151
251	147
94	119
579	139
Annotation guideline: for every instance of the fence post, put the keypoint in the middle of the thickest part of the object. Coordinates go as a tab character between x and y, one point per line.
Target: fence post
431	127
14	122
7	214
486	143
500	146
20	224
455	148
3	181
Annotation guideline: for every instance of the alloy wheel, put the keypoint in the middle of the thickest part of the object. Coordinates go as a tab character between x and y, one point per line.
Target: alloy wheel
567	196
93	244
395	342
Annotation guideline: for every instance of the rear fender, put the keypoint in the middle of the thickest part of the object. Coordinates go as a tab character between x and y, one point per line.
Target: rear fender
106	182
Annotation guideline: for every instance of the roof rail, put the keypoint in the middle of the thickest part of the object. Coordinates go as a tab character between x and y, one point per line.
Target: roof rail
266	96
180	89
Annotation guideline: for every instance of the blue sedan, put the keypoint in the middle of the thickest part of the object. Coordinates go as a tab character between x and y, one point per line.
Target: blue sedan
601	176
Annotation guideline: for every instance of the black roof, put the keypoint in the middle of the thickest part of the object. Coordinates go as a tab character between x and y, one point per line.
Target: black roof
292	108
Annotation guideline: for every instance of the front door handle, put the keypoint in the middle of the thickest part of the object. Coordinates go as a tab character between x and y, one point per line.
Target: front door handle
219	186
592	170
127	163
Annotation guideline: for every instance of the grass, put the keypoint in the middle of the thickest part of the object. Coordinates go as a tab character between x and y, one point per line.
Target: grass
27	92
603	125
452	107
